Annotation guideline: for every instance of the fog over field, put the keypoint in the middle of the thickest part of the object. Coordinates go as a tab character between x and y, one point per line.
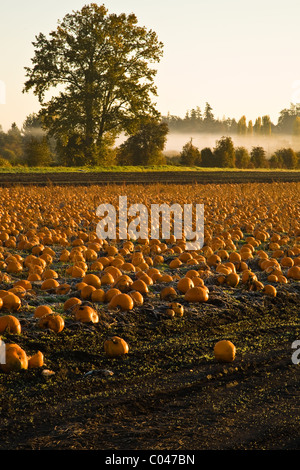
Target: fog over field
175	142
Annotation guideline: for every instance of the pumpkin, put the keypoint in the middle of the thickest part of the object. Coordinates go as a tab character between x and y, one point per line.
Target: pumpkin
170	313
52	321
92	280
18	290
175	263
140	286
196	294
10	323
293	273
86	314
11	302
23	283
35	361
123	283
42	310
184	284
69	303
86	292
177	308
110	293
282	279
107	279
49	274
115	346
168	293
213	260
224	351
270	290
15	359
49	284
232	279
98	295
137	298
123	301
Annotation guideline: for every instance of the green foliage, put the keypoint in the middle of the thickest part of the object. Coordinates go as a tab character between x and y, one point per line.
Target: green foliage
275	161
207	158
287	119
258	157
242	126
266	127
287	158
101	62
242	157
8	155
190	155
4	163
36	151
145	147
296	126
224	153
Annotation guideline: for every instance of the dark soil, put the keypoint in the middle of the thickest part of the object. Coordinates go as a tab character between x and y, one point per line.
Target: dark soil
168	392
147	177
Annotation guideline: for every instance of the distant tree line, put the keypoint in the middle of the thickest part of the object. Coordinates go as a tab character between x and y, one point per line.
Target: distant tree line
225	155
197	121
32	146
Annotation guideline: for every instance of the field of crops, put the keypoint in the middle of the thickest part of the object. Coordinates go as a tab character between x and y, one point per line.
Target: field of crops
64	293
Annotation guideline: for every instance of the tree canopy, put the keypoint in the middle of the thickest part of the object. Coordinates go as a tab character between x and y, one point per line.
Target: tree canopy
99	65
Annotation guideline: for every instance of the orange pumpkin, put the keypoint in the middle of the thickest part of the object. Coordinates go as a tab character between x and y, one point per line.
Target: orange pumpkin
86	314
10	323
52	321
115	346
232	279
123	301
42	310
168	293
137	297
270	290
49	284
196	294
92	280
224	351
71	302
11	302
98	295
15	359
184	284
177	308
86	292
110	293
35	361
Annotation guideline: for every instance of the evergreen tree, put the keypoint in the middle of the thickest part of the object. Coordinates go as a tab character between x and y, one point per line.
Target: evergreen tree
257	126
266	127
242	126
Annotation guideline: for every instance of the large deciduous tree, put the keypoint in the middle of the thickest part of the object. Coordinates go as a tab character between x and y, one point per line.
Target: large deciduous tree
99	66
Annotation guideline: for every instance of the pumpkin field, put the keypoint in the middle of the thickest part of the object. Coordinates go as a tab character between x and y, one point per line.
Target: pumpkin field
141	344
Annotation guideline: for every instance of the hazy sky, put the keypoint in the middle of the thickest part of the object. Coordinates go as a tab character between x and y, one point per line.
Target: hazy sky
240	56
